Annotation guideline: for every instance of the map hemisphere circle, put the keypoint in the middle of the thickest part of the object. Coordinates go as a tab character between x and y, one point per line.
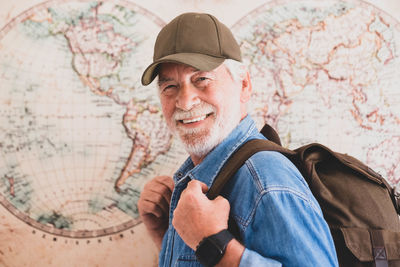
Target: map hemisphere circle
317	79
96	45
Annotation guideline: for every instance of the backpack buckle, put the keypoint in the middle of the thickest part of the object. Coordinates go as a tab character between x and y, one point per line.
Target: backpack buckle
396	196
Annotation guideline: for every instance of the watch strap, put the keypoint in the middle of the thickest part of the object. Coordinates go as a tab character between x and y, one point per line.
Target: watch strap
219	243
222	238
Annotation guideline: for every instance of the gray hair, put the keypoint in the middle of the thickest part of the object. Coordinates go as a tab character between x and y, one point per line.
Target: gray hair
236	69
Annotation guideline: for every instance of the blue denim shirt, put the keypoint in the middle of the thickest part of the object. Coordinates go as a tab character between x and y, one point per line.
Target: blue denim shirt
280	222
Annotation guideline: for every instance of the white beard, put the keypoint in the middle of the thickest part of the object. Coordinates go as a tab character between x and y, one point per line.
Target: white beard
199	142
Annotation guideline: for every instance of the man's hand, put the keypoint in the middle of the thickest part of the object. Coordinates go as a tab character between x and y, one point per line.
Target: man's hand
196	217
153	206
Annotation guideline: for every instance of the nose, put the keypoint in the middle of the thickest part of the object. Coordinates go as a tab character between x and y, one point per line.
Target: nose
188	97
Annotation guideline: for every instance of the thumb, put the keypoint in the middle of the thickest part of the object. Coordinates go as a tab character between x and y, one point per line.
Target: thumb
204	187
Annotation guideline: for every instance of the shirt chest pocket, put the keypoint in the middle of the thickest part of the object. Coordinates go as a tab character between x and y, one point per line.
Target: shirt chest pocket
187	261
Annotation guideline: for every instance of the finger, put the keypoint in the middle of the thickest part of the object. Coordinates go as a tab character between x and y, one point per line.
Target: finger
148	207
195	184
160	185
155	198
169	184
163	198
167	181
204	187
164	181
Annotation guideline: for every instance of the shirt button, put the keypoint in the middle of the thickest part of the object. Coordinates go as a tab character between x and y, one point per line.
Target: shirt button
179	175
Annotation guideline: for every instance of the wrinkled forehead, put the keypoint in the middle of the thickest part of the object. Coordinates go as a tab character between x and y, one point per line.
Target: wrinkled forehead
170	67
170	71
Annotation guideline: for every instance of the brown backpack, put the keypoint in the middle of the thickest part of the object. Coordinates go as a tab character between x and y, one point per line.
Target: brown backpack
360	207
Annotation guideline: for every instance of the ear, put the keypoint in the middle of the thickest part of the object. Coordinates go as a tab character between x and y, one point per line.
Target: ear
245	93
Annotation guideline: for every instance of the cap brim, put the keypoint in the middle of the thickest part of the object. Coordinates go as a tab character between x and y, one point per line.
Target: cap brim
198	61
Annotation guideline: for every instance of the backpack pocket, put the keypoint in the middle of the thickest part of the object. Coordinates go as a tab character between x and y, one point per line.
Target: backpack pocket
355	246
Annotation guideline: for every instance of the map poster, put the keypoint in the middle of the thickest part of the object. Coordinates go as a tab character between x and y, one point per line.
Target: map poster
80	135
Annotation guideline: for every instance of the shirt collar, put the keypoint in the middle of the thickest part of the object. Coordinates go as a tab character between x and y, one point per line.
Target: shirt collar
208	169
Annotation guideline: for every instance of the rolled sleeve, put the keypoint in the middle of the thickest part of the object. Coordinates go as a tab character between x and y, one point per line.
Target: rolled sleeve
287	229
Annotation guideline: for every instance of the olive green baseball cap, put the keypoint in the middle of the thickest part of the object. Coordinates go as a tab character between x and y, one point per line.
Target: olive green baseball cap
194	39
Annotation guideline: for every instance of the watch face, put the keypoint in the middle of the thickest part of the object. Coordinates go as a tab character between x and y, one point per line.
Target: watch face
209	253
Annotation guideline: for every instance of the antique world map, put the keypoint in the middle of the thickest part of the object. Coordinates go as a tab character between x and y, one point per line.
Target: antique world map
80	136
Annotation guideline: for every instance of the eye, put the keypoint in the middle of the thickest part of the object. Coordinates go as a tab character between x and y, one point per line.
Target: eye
201	79
168	89
170	86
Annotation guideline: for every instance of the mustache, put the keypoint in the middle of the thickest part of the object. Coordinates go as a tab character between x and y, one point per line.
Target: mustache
198	110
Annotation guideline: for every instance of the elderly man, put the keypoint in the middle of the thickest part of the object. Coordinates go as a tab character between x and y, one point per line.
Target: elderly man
203	89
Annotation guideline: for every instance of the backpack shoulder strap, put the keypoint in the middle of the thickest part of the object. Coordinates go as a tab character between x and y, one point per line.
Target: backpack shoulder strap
238	158
271	134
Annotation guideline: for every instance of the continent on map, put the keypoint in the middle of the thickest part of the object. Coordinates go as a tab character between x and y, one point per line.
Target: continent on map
146	127
98	54
98	50
308	64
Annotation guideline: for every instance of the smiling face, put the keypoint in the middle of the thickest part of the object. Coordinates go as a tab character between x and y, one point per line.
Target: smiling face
202	108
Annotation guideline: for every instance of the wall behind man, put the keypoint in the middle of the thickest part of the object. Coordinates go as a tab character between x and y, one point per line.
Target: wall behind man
22	240
229	11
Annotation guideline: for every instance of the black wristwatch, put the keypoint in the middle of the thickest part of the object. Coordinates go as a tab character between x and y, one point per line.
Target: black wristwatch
212	248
